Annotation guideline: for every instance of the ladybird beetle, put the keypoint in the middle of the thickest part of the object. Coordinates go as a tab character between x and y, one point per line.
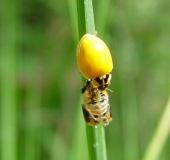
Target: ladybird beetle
96	107
93	57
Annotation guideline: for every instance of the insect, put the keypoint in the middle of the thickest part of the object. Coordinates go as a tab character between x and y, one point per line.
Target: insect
102	82
96	107
95	64
93	57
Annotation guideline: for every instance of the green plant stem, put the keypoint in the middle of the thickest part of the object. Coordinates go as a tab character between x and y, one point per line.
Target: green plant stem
100	144
89	17
161	134
81	18
95	135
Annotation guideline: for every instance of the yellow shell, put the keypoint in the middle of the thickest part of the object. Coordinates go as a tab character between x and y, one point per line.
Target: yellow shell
93	57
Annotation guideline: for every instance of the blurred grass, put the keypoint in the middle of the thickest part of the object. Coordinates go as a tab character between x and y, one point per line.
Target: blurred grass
40	42
33	124
8	108
160	136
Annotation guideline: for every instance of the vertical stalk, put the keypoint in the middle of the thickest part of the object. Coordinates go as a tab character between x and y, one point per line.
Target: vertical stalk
78	130
160	136
95	135
8	110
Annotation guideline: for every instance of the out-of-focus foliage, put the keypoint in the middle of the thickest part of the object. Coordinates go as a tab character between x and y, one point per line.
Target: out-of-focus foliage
49	83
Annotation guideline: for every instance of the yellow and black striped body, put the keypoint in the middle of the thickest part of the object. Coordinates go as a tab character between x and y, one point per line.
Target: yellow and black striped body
96	108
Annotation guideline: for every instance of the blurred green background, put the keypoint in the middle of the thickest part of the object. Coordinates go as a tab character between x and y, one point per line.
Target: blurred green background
40	83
